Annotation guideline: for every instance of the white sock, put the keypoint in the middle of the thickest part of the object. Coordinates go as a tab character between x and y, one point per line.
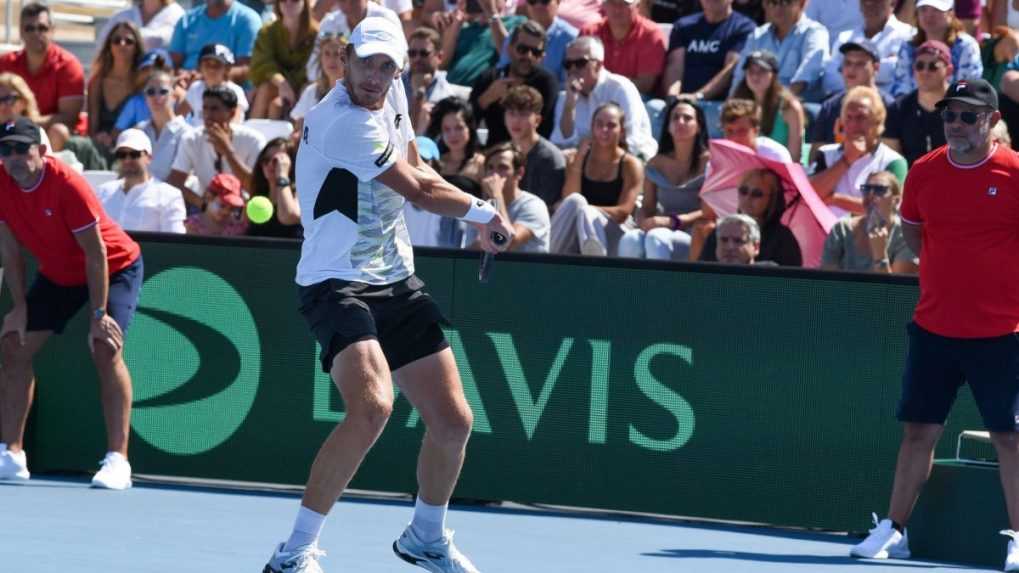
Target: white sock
307	528
429	520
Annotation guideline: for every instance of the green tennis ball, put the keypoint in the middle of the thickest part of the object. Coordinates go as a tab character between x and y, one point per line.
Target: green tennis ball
259	209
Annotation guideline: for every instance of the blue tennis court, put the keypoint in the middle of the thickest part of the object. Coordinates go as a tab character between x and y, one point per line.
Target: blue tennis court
60	525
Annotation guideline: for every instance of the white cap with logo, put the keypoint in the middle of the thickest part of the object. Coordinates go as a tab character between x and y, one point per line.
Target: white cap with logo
377	35
134	139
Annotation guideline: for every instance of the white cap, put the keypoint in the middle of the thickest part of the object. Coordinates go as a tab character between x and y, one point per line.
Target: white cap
134	139
942	5
377	35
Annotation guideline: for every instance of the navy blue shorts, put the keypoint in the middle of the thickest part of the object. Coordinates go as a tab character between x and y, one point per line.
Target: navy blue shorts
401	316
936	366
51	306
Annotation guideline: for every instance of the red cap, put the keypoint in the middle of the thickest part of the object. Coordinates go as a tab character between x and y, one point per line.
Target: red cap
228	189
936	48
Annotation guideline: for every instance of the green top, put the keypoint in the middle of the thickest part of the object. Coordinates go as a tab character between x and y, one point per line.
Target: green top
780	131
475	50
273	54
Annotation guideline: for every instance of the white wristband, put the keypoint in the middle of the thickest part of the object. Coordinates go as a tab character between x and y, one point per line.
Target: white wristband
479	212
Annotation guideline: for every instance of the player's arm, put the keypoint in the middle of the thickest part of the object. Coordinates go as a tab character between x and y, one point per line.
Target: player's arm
98	277
913	234
14	269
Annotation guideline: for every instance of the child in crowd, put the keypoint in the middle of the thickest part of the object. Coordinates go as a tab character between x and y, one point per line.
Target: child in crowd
214	63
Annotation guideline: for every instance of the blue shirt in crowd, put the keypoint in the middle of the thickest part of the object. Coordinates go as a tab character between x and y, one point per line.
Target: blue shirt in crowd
557	37
707	45
134	112
802	55
236	29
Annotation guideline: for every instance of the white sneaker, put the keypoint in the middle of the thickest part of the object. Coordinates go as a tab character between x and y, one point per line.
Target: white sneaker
114	473
1012	557
13	466
883	542
301	560
438	557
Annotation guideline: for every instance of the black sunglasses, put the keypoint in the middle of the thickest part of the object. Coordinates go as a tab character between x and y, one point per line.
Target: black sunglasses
152	92
533	2
8	149
524	50
578	63
874	189
755	193
930	67
33	28
419	53
967	117
9	98
122	41
132	153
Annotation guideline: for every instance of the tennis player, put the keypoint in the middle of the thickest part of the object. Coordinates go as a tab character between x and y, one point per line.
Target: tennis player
960	211
356	166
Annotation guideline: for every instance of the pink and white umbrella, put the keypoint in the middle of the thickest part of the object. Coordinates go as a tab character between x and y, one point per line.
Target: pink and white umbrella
806	215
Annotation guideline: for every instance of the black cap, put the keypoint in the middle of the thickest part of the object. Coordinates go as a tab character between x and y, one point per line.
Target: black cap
974	92
862	45
762	58
21	130
217	51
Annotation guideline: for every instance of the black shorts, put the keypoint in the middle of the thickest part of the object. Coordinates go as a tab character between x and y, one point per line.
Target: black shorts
401	316
51	306
936	366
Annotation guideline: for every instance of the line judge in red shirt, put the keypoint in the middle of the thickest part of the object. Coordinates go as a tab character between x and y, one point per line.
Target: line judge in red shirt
634	45
960	211
83	257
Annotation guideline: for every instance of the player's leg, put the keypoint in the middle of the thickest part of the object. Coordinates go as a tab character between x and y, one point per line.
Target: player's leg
17	384
912	468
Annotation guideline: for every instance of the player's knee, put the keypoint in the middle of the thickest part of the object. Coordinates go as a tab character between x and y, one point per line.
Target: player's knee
370	412
1007	442
921	435
12	353
454	430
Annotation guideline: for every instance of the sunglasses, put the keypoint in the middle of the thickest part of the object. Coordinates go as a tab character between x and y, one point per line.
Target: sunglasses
33	28
874	189
543	2
122	41
128	153
524	50
930	67
9	99
419	53
153	92
578	63
967	117
779	2
754	193
8	149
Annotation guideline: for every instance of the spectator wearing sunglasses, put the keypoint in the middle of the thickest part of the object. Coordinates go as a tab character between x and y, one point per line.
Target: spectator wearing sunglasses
223	214
936	20
558	34
914	127
425	84
527	45
589	86
55	76
872	242
136	110
155	18
137	201
114	79
164	128
634	45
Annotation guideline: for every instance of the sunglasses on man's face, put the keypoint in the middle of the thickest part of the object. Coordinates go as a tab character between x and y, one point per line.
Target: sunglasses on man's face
578	63
524	50
753	193
8	99
8	149
128	154
153	92
930	66
33	28
967	117
874	189
535	2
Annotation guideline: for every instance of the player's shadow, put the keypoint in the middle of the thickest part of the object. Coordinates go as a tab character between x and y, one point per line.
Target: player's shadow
800	559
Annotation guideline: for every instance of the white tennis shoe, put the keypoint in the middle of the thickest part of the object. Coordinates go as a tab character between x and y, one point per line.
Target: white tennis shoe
304	559
114	473
883	542
438	557
1012	557
13	466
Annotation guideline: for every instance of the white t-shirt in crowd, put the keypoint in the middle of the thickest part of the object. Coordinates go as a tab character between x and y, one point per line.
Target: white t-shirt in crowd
196	155
150	206
308	99
354	228
194	99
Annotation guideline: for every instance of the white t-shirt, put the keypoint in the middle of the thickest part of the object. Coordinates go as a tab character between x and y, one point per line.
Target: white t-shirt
151	206
335	22
194	99
308	99
354	228
196	155
399	6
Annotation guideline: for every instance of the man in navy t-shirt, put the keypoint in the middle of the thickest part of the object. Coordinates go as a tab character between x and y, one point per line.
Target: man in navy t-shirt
704	49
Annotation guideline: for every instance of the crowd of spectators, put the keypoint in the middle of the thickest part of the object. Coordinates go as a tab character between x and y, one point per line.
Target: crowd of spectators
589	121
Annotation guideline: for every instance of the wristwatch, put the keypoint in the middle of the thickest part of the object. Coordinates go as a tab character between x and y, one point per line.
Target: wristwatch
282	182
99	313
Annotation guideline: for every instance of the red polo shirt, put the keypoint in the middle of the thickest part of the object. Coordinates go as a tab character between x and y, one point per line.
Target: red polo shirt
969	266
642	52
45	218
61	75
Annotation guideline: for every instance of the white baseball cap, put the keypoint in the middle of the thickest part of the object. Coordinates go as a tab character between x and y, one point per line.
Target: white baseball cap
377	35
942	5
134	139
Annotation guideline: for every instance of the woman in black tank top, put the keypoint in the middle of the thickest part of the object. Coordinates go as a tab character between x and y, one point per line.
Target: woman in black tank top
600	192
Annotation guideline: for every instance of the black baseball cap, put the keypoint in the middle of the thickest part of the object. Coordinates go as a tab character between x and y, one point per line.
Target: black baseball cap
22	130
974	92
862	45
218	52
763	58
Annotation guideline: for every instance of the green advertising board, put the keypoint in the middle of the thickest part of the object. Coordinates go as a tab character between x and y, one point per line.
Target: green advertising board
746	394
